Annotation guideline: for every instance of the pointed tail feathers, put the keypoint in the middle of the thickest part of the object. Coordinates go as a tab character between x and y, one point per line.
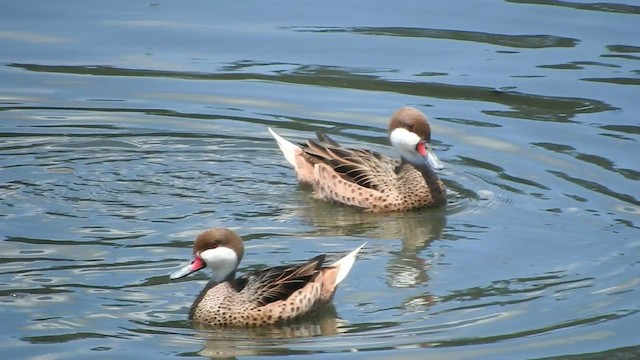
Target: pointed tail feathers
344	265
289	149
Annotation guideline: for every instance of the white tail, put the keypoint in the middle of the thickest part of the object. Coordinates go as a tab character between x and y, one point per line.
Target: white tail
344	265
289	149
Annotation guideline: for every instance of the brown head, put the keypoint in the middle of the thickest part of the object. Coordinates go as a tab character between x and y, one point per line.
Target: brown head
219	249
413	120
212	238
410	135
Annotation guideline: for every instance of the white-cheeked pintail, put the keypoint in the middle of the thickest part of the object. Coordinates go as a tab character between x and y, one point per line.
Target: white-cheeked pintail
370	180
262	297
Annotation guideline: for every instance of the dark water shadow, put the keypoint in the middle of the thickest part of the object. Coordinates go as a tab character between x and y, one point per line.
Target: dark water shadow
521	105
597	187
629	352
514	41
596	6
592	159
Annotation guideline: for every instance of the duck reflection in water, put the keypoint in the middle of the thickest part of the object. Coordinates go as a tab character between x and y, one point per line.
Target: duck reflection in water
267	340
416	230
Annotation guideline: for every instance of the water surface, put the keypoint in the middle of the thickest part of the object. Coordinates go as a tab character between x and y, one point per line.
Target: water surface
129	127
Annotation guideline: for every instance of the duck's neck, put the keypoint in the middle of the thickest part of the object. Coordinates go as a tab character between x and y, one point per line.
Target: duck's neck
431	179
231	279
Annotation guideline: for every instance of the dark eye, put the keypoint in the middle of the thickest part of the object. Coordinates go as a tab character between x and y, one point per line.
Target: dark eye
215	244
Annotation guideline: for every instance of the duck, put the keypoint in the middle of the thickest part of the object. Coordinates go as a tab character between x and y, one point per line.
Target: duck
263	297
367	179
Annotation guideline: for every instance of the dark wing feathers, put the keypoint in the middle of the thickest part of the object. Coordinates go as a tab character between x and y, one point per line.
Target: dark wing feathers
363	167
279	282
326	139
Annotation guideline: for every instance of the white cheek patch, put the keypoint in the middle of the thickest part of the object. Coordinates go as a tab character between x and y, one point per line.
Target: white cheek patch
222	260
404	140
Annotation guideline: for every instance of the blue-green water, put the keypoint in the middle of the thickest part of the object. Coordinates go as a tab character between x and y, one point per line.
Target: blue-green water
128	127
